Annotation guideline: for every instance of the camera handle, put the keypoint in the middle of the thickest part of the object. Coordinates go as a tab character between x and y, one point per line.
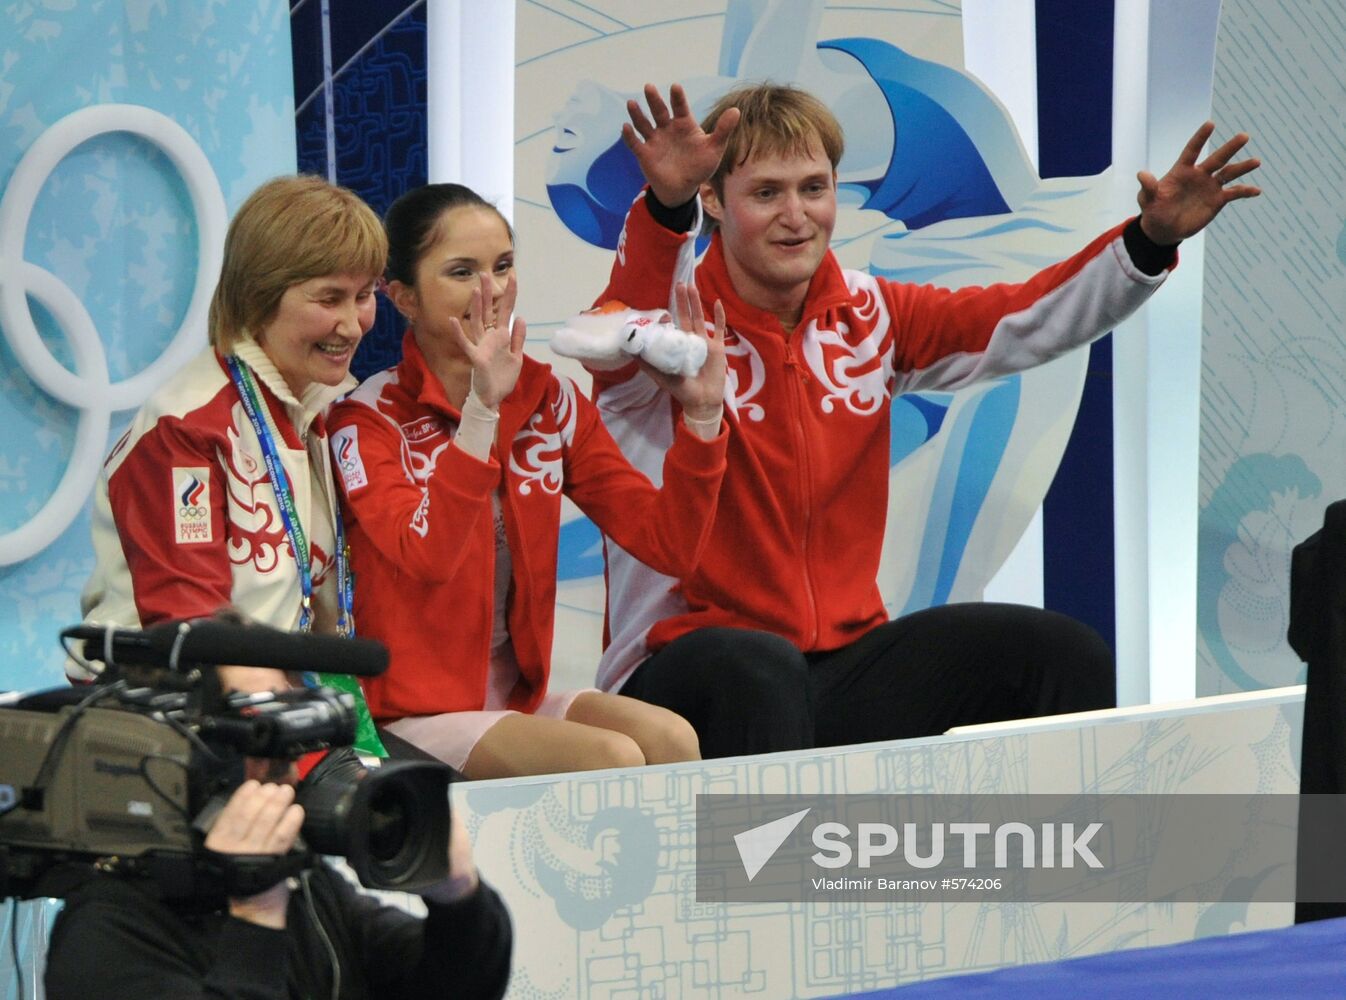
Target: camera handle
240	875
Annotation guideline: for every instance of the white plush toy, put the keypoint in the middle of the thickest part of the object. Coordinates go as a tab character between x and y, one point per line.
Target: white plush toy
612	335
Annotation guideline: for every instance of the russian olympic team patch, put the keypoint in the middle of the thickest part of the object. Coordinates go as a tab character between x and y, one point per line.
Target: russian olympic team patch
191	505
346	451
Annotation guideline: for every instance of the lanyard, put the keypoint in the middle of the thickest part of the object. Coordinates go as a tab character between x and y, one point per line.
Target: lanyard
289	516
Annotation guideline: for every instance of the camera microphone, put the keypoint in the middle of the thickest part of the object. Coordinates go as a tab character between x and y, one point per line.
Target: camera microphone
201	641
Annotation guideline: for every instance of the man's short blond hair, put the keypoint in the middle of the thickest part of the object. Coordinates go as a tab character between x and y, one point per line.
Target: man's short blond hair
775	119
290	230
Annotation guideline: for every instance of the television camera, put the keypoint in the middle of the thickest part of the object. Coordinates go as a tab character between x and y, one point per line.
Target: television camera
125	775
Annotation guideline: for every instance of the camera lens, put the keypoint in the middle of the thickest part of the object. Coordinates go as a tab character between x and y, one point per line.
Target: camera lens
392	824
389	825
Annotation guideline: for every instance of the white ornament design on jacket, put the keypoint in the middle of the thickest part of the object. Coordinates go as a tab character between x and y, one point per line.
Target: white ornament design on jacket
537	455
746	375
858	374
256	532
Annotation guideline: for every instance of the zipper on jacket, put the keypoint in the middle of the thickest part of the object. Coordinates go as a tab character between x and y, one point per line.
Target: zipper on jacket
792	362
519	553
799	392
501	455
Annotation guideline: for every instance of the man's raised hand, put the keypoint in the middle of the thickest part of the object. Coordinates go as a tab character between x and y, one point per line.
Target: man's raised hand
1185	200
674	153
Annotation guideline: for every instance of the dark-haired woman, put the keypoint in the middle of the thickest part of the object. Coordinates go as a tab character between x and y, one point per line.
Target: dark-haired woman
454	465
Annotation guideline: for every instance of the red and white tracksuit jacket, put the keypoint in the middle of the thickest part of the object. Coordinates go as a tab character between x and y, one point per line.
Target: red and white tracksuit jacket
185	520
423	537
799	528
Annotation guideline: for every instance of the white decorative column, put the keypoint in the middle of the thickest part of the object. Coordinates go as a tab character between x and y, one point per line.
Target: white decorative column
1163	65
470	99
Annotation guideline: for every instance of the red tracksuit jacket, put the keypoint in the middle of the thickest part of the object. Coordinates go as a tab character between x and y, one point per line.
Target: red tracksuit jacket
422	534
799	528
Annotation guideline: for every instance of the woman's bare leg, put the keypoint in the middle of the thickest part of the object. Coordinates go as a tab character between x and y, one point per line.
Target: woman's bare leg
663	736
526	744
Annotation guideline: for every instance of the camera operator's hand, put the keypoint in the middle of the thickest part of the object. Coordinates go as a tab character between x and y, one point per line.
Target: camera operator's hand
462	880
259	819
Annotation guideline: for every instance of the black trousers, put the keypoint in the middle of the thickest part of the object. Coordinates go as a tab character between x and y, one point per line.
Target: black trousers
746	691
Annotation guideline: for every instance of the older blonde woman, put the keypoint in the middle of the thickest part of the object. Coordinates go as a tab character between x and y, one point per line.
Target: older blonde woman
220	493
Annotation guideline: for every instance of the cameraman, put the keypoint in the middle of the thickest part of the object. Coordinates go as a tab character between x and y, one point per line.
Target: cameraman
315	936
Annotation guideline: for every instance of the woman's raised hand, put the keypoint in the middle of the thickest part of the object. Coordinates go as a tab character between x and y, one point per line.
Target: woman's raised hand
492	342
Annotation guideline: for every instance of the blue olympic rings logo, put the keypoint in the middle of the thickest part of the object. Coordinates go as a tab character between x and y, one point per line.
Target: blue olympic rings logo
89	388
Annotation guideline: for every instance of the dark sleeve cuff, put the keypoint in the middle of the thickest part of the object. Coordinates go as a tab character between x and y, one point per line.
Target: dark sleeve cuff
679	218
1148	256
476	934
